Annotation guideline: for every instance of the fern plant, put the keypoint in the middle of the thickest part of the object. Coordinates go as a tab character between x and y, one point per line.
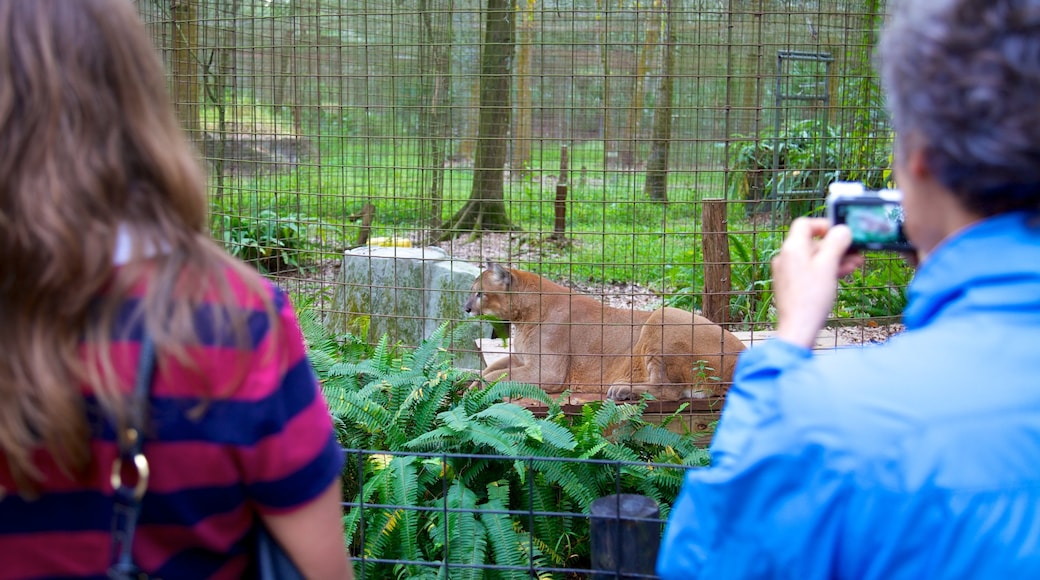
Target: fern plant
449	480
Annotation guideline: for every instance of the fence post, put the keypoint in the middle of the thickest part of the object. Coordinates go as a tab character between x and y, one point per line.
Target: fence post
717	282
560	206
625	536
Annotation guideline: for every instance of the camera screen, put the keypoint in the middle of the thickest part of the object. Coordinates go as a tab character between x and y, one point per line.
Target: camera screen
873	225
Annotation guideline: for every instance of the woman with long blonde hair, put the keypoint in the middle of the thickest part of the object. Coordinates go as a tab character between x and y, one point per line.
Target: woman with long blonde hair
103	242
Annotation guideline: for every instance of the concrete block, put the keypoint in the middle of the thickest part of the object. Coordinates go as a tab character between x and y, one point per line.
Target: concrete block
407	293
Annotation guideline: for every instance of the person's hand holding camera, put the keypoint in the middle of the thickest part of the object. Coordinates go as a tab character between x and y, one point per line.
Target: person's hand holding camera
805	277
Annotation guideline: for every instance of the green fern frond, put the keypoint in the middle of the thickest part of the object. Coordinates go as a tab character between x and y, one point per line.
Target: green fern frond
563	474
454	423
455	419
614	452
552	552
379	533
556	436
431	350
382	359
436	395
352	520
364	414
403	491
608	413
380	524
431	441
366	369
481	398
492	438
547	534
594	451
650	434
511	417
477	471
465	535
506	543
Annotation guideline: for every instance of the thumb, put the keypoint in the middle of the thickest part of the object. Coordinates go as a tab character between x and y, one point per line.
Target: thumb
835	244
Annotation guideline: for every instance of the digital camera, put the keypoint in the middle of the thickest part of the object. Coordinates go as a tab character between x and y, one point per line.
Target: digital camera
875	217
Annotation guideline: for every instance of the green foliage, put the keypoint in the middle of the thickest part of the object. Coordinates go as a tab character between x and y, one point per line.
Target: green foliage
450	474
270	241
808	154
877	290
750	277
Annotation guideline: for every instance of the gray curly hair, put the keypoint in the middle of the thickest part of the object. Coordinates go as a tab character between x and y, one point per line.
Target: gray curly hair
964	75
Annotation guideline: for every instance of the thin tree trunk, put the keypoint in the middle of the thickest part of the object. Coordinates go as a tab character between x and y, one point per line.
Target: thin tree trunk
486	208
220	82
626	152
656	187
185	65
522	133
605	122
435	57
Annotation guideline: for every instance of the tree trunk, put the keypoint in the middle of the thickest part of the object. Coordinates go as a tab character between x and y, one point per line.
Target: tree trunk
657	163
296	76
220	86
605	120
486	208
185	65
522	132
435	58
627	150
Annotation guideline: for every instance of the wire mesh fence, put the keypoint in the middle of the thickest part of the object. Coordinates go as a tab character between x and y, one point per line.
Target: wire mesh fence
440	515
607	146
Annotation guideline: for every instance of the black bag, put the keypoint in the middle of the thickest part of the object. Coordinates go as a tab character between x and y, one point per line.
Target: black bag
271	559
272	563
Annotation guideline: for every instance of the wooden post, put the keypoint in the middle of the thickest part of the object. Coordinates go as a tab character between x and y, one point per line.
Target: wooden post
717	282
366	215
560	206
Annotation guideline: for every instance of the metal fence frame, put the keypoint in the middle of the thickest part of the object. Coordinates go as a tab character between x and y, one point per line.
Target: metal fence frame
623	566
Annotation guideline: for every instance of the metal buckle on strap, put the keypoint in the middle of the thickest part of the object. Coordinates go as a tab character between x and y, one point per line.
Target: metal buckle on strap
140	465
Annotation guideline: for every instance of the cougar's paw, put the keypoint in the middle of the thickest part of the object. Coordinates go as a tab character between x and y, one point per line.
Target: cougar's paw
620	392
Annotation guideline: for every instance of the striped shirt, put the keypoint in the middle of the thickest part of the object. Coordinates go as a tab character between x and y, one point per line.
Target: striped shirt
229	439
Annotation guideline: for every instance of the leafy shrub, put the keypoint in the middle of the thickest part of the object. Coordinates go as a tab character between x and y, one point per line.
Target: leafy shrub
269	241
750	277
809	154
445	472
876	290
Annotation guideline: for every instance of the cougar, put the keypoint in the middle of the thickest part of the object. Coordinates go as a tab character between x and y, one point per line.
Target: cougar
563	339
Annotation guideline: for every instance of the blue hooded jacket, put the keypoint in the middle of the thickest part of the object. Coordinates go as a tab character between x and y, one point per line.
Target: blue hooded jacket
918	458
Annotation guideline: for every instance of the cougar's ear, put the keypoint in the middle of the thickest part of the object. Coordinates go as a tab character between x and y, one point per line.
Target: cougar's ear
500	274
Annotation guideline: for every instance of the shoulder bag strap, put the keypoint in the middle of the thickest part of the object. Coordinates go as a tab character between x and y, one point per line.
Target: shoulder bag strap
131	461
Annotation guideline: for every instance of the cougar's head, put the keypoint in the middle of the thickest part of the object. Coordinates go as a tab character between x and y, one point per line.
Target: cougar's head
487	294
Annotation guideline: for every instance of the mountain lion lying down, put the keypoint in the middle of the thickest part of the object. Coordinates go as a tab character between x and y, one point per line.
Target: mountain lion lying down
561	340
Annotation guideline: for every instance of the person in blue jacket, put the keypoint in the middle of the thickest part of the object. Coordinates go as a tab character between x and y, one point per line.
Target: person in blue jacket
918	458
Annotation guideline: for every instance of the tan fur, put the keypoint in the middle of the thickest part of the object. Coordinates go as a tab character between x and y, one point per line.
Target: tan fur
561	340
